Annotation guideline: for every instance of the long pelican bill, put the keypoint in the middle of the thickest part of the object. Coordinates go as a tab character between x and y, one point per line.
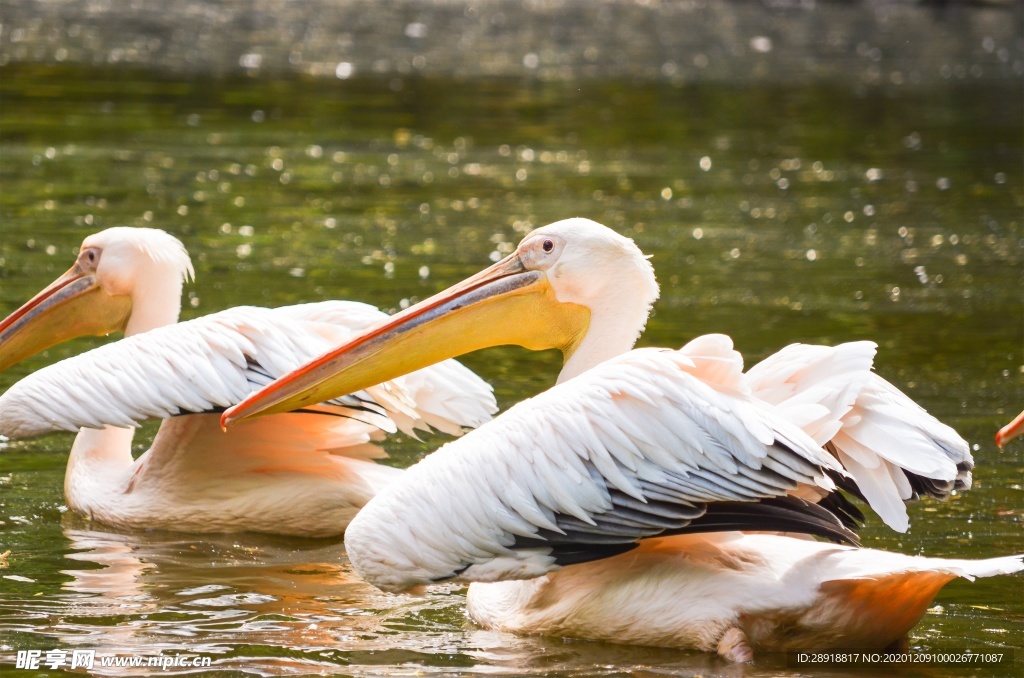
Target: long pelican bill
503	304
1012	430
73	305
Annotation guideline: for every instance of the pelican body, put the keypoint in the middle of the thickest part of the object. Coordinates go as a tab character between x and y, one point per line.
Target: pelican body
304	473
652	496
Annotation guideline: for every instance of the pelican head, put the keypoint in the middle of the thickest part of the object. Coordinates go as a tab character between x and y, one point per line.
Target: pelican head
573	285
125	279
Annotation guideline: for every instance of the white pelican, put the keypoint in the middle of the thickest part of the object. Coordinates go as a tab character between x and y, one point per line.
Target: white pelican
301	474
642	498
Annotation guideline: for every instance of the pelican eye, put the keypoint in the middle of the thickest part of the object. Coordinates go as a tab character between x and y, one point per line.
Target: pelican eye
548	245
89	257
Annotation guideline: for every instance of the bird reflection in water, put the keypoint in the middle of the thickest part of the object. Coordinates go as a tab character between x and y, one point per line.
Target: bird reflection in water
172	593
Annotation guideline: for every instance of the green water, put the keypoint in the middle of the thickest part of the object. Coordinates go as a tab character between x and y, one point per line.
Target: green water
775	213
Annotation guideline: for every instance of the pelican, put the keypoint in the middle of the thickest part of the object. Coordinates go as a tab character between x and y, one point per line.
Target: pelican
303	473
652	496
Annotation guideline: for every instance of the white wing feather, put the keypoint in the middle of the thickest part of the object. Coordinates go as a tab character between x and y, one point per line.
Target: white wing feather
613	451
881	436
215	361
816	386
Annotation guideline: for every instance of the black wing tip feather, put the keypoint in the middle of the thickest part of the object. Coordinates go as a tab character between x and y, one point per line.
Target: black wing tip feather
302	410
573	554
188	413
941	489
845	483
778	514
841	507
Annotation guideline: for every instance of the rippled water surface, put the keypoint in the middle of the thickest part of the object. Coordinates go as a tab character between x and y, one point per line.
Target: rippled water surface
815	211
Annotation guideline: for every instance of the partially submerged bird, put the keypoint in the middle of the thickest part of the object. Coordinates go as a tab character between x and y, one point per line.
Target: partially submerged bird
652	496
304	473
